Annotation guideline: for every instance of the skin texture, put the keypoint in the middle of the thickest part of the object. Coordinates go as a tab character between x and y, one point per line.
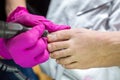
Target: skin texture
12	5
82	48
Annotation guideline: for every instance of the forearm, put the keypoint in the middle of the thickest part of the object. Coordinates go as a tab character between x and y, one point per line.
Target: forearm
111	48
12	4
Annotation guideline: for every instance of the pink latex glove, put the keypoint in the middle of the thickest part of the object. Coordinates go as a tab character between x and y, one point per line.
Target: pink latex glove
22	16
28	48
4	53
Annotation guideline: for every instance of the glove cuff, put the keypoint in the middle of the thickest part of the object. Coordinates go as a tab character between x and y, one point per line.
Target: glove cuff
3	50
16	13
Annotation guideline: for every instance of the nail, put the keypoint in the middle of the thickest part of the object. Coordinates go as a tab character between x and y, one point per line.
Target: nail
49	47
52	37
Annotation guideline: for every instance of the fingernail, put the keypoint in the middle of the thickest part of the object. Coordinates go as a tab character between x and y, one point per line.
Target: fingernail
52	37
49	47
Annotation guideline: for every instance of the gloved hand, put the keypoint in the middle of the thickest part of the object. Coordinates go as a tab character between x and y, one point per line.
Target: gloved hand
28	48
4	53
22	16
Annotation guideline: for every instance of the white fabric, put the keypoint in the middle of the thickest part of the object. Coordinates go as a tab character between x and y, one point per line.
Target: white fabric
103	15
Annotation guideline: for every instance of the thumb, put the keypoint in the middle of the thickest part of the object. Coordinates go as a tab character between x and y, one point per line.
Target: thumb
37	31
28	38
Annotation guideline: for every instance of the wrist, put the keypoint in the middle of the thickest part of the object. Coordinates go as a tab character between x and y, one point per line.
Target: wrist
11	5
18	11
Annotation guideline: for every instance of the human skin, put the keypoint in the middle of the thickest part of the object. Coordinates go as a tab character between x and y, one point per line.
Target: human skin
83	48
13	4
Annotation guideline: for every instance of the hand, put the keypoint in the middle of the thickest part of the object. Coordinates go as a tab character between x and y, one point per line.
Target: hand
28	48
78	48
4	53
22	16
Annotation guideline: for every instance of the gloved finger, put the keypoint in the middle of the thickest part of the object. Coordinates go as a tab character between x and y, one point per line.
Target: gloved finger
27	39
36	60
32	56
41	54
38	48
27	21
38	30
43	57
51	27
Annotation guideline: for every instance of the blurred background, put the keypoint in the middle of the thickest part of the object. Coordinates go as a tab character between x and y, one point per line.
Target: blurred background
39	7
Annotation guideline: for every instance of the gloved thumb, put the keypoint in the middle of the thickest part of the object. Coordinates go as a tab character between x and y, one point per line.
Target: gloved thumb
28	38
36	31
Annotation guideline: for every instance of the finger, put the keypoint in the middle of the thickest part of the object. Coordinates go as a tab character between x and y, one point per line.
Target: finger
37	49
37	30
42	57
31	54
59	36
60	27
51	27
66	60
60	54
30	37
34	33
73	65
58	46
39	52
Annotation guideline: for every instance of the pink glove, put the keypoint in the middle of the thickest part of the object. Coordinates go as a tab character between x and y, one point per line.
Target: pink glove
28	48
4	53
22	16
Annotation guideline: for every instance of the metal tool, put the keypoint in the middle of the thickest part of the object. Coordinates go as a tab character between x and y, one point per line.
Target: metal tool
8	30
14	70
